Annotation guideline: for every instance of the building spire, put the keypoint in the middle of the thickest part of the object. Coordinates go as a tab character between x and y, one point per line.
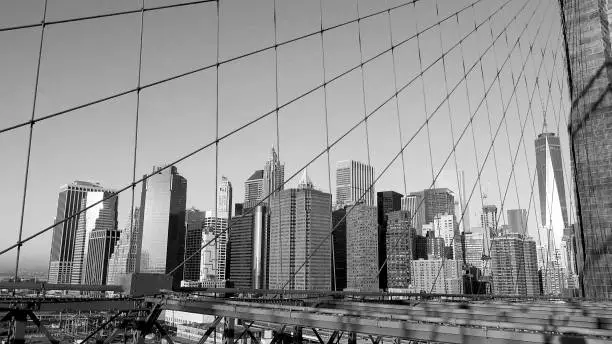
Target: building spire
305	182
545	129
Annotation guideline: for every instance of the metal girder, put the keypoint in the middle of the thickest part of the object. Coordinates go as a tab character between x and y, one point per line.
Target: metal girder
364	322
228	330
278	335
375	340
163	332
112	336
316	333
43	286
210	330
352	338
297	335
42	328
253	338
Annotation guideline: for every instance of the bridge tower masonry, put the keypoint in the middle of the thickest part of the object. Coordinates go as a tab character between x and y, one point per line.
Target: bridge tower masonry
588	62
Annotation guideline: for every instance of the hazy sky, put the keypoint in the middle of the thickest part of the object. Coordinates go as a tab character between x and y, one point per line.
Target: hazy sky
87	60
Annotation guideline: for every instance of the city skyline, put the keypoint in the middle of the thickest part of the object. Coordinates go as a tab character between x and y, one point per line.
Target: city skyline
293	151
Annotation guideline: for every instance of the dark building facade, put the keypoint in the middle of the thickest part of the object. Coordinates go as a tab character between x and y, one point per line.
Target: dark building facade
162	217
588	45
399	249
247	249
339	250
386	201
194	222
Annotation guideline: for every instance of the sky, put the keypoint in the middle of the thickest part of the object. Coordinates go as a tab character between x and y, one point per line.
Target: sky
87	60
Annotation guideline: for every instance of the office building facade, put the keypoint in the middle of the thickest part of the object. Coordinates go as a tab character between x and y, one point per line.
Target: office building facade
69	237
339	250
124	256
254	189
362	248
194	223
437	276
354	180
386	201
517	220
399	249
300	219
247	249
513	265
414	204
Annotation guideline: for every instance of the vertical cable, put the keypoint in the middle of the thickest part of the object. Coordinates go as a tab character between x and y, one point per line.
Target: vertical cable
397	106
329	183
450	120
369	199
135	156
423	91
467	94
29	152
273	166
216	230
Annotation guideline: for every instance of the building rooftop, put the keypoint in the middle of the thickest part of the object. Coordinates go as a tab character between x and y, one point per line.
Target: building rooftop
256	175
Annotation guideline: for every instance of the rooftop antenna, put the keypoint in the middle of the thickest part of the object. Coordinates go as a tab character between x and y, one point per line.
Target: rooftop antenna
545	124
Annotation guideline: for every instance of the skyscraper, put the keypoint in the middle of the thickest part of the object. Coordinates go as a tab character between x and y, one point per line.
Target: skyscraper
299	220
102	219
362	248
216	251
194	222
215	223
273	175
386	201
465	207
162	211
513	265
247	249
551	186
101	245
354	179
517	219
123	259
254	189
72	198
399	249
473	249
488	222
437	202
339	252
444	226
414	204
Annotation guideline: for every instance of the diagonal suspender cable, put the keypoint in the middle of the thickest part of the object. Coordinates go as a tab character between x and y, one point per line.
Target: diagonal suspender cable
374	111
214	65
415	134
27	168
104	15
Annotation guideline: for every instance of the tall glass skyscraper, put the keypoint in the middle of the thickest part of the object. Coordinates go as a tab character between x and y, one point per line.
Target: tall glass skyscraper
551	187
194	221
68	244
162	211
353	179
362	248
